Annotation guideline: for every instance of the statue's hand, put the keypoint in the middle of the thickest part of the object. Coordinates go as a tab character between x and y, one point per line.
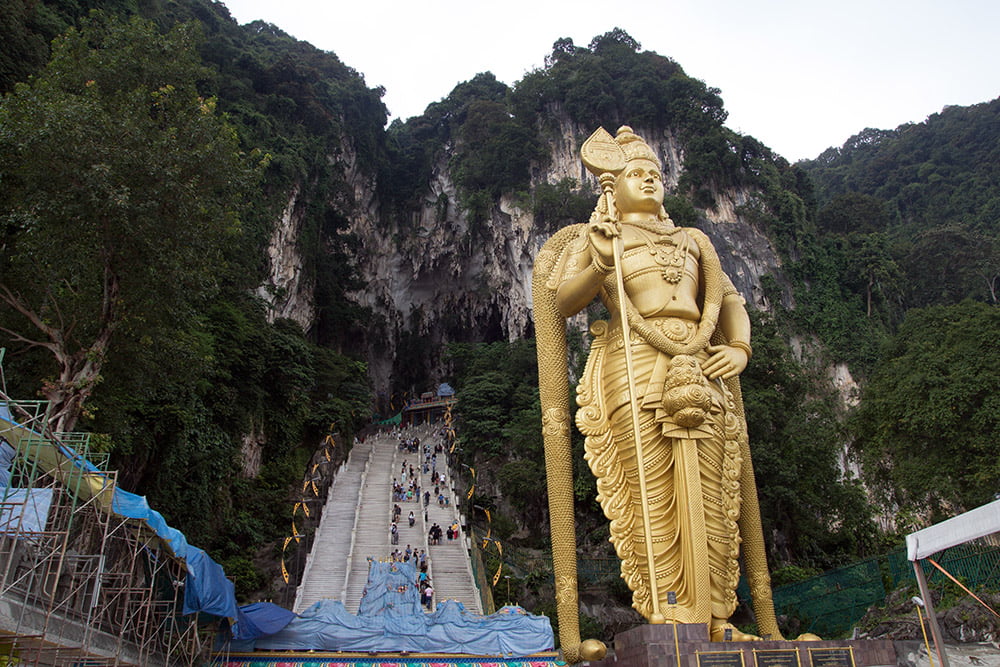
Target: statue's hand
602	240
724	362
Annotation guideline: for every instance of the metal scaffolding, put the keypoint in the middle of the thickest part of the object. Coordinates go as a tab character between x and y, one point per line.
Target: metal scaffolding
80	584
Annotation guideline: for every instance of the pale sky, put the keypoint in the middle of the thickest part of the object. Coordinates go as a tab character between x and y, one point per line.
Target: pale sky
799	75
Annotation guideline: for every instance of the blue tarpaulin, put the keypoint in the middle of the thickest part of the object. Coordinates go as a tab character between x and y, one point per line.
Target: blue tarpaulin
328	626
391	619
260	618
24	510
206	588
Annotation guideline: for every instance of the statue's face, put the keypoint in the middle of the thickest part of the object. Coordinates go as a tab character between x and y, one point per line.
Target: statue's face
639	188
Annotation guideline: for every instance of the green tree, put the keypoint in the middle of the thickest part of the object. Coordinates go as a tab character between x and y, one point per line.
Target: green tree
562	203
484	411
813	513
854	212
613	39
949	263
930	416
22	48
121	188
871	266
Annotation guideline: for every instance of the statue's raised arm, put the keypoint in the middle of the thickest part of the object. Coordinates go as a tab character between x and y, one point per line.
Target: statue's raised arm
659	403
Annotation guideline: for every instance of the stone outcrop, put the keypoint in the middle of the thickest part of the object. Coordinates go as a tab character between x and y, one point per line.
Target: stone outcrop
440	276
286	291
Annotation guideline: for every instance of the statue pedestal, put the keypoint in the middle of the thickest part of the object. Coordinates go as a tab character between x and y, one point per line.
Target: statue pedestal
654	646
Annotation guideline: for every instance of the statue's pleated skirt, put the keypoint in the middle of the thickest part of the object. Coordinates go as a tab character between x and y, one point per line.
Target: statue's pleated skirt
691	492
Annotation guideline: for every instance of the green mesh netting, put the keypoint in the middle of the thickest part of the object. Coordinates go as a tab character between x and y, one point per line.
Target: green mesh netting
831	604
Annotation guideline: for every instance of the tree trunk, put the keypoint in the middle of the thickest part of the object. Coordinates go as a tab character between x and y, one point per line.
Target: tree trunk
869	296
78	375
80	371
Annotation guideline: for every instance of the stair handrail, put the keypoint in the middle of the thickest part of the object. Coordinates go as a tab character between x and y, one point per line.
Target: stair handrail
307	570
354	528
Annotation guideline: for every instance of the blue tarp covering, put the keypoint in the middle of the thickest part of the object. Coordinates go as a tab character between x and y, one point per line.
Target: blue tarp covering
206	588
135	507
328	626
260	618
24	510
7	455
391	619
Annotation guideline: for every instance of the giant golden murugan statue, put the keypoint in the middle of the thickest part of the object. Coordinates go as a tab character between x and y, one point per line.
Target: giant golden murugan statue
659	404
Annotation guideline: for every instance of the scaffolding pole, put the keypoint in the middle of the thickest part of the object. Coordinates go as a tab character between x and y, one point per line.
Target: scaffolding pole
79	584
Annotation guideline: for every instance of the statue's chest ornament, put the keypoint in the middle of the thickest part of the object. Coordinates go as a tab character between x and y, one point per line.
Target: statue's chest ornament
669	251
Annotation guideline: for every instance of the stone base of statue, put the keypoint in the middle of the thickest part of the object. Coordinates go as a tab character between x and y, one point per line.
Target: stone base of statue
654	646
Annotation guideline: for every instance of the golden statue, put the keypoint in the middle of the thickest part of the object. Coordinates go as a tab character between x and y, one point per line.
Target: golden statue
681	497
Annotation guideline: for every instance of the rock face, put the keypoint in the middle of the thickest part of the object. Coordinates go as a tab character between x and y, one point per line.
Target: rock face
438	276
286	291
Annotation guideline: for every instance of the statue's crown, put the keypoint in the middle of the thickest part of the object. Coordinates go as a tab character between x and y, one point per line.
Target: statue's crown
602	153
634	147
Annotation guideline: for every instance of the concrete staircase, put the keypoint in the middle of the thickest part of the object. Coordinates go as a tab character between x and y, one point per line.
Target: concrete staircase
355	527
318	580
370	535
450	569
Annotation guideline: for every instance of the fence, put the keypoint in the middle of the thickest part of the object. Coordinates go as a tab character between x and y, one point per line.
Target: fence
829	605
482	578
832	603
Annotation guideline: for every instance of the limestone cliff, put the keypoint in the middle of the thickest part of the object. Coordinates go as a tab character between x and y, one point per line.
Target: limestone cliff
286	290
435	277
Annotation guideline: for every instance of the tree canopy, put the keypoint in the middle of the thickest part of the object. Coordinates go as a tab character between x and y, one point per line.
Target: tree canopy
122	188
930	414
125	281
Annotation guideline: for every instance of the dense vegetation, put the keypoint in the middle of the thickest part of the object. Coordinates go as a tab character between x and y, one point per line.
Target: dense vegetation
907	224
121	254
135	206
930	191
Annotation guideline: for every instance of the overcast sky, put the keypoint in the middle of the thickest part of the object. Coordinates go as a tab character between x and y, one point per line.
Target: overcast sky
799	75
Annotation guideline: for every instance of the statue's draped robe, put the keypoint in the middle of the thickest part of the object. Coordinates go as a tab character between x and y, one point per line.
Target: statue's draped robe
692	474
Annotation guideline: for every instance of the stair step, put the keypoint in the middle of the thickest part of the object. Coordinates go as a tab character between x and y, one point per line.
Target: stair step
357	512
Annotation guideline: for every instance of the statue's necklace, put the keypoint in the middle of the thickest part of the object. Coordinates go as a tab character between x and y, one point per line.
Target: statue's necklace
669	253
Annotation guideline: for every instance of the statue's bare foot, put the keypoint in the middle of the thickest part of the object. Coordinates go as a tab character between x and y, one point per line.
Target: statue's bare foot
719	628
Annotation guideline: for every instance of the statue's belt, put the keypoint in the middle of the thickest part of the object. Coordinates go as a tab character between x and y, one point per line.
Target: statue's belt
677	329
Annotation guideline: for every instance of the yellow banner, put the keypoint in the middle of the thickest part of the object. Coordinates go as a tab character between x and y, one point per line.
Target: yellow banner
472	488
284	571
285	546
496	577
